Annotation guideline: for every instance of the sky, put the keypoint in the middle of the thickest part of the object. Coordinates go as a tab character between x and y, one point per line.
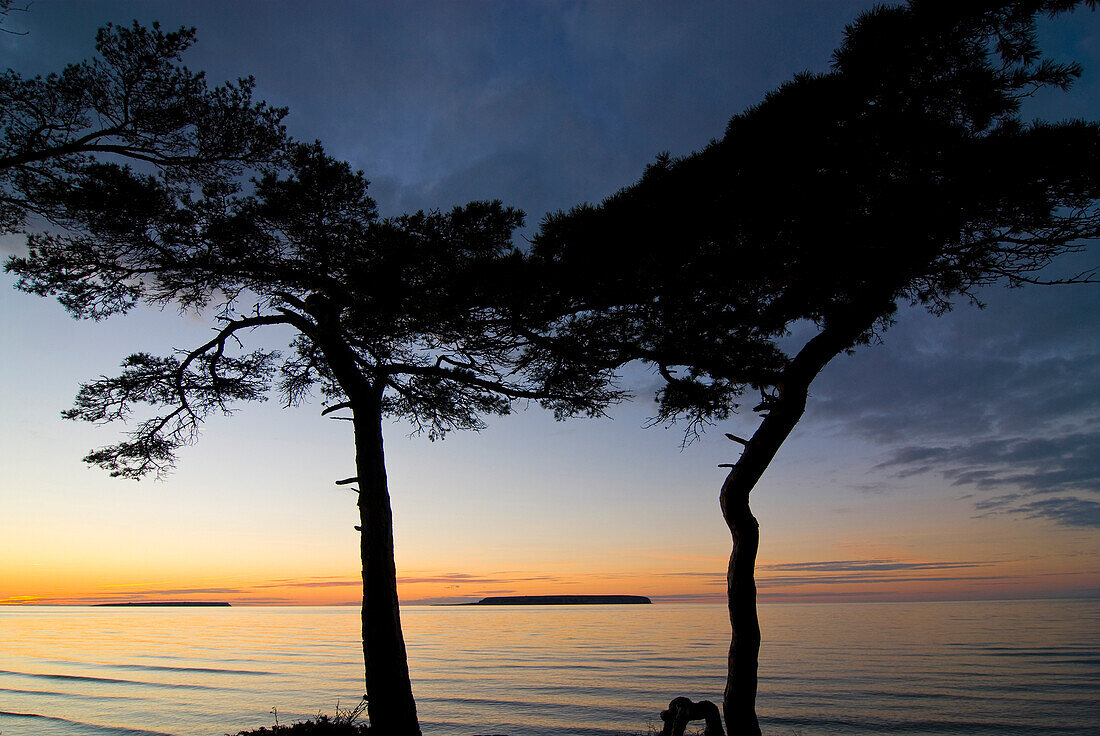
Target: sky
959	459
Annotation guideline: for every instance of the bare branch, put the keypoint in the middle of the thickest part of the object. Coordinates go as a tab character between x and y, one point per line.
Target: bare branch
336	407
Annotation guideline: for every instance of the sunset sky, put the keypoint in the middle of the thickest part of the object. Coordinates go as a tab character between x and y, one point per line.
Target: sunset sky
959	459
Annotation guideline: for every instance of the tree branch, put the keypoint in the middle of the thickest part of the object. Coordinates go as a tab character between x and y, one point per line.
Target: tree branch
219	343
463	377
336	407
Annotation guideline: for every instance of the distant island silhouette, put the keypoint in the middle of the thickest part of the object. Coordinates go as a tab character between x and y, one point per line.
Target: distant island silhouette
166	603
557	600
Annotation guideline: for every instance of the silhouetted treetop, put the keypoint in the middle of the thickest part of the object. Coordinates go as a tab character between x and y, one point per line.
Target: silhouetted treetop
903	174
906	174
390	316
134	103
401	316
402	307
966	64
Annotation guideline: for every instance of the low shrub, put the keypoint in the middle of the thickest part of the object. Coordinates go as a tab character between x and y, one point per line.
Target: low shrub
343	723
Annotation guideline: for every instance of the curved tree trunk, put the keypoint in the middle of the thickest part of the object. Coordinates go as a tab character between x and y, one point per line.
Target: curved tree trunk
391	707
783	411
739	698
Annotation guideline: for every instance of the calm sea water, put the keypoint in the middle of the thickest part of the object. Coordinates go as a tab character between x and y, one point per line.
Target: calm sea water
915	668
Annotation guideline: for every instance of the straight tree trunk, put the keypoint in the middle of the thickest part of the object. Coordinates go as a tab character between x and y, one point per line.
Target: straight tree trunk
390	704
391	707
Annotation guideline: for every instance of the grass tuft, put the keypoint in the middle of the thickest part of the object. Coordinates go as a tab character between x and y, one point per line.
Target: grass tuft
348	722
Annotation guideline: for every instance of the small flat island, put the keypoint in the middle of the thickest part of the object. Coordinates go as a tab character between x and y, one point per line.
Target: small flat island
558	600
167	603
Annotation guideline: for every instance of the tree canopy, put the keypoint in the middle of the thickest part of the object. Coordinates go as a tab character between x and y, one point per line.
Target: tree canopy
905	175
134	104
129	173
409	296
397	316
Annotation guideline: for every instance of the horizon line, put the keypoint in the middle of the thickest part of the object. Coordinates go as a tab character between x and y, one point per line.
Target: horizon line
656	599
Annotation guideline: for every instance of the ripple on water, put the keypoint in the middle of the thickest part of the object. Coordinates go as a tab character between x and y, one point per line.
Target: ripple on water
917	669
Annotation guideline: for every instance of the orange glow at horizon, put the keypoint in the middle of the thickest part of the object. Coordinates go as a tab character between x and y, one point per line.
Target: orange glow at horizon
863	580
130	545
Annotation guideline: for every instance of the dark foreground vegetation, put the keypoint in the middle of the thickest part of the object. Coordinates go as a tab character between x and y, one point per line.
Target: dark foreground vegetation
323	726
343	723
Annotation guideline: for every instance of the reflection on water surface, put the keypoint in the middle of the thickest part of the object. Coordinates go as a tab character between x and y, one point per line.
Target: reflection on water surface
846	668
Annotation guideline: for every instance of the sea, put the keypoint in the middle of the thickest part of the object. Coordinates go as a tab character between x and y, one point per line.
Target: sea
995	667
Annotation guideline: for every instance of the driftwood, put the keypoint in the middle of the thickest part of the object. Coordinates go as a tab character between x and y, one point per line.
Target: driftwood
681	711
